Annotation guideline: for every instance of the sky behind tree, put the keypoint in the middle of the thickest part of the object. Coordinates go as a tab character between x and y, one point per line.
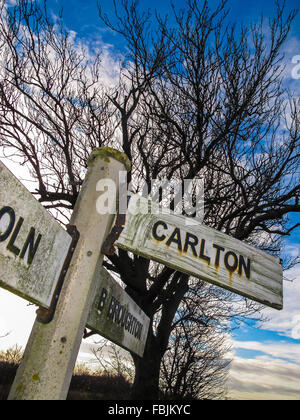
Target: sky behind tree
266	357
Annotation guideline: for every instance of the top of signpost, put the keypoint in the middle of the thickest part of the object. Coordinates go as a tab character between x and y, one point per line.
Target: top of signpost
106	153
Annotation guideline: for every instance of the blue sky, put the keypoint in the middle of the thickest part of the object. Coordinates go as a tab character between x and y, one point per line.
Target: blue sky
266	359
82	16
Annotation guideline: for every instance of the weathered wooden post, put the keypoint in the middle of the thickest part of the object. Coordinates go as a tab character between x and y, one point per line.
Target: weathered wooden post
47	366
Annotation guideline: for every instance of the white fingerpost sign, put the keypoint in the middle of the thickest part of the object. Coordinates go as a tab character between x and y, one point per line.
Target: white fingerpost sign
34	248
33	245
200	251
116	316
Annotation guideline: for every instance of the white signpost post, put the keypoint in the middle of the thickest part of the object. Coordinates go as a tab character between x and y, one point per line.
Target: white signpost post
203	252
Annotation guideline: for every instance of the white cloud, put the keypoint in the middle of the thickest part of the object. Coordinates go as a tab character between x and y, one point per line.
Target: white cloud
291	49
284	321
11	2
276	349
264	378
292	250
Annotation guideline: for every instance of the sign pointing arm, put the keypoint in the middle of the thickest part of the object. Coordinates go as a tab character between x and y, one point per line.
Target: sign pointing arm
201	251
33	245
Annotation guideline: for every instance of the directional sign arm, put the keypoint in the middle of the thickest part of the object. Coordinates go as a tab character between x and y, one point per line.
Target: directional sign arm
33	245
201	251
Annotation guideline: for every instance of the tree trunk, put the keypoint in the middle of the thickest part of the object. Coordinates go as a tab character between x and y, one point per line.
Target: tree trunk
147	368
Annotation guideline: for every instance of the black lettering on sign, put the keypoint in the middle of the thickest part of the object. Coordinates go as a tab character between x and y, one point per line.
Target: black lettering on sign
124	317
219	250
102	299
30	244
12	217
192	241
132	326
128	323
116	310
246	267
111	309
11	244
120	315
234	261
202	253
176	238
154	231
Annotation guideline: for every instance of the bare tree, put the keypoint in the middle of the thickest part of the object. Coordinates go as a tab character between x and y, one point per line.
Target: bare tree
113	360
213	107
12	355
195	363
53	106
